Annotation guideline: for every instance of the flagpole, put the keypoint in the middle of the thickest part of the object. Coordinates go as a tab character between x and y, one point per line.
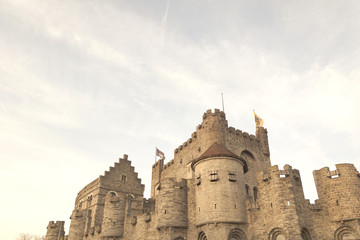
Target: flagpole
155	153
222	100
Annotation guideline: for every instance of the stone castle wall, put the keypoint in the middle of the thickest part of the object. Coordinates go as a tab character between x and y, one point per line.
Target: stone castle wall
198	195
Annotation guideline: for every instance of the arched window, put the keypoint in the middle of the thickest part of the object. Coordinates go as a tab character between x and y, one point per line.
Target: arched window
345	232
202	236
236	234
247	190
305	234
256	193
112	194
277	234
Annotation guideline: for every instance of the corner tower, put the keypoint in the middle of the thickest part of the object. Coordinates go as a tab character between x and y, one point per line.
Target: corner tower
338	191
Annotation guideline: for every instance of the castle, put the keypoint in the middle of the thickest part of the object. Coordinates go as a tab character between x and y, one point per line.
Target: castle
220	185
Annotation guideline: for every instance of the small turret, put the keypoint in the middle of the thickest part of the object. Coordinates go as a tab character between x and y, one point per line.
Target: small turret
171	203
55	231
338	191
282	197
261	135
77	225
114	215
156	175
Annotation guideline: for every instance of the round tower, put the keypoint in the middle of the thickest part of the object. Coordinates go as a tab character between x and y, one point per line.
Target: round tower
172	203
114	215
339	191
220	187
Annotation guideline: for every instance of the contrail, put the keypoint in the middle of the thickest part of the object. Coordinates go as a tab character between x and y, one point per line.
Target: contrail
4	109
163	23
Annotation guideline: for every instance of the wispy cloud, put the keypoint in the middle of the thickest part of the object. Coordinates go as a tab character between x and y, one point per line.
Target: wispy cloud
4	109
164	23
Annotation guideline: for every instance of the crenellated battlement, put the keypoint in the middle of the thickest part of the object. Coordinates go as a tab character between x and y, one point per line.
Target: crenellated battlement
215	113
275	173
185	144
344	170
53	224
55	230
157	163
168	164
239	133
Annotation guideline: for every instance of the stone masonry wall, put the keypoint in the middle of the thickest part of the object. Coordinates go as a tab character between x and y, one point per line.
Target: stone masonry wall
262	203
55	230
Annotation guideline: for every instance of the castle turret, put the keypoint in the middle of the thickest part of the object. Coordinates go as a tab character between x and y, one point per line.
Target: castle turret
77	225
155	177
55	231
114	215
213	128
281	197
171	204
220	187
338	191
261	135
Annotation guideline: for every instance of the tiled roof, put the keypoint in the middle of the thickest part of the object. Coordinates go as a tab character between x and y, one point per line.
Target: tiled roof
217	150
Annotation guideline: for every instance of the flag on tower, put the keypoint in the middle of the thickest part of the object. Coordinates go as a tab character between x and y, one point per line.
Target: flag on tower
259	122
160	154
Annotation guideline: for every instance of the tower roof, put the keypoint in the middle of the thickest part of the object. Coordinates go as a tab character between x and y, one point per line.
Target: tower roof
217	150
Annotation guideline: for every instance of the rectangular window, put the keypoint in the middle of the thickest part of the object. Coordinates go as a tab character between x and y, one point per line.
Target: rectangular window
213	176
232	177
123	178
198	180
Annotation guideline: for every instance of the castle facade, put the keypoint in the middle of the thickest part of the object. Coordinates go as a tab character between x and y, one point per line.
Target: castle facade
219	186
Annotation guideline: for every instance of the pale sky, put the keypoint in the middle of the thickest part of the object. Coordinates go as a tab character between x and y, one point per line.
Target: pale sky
83	82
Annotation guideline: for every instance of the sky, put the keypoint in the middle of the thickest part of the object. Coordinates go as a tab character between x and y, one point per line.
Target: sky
84	82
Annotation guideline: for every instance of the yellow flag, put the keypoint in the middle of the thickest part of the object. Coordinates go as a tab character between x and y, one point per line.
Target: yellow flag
259	122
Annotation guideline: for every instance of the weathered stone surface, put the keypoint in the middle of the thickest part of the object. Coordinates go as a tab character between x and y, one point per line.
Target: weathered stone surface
220	185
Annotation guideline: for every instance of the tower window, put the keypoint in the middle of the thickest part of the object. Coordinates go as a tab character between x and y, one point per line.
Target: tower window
198	180
232	177
123	178
255	191
247	188
214	176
